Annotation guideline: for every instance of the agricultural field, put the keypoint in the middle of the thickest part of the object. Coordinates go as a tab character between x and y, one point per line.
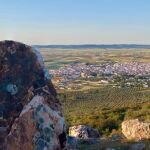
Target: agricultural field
102	106
105	108
88	68
57	57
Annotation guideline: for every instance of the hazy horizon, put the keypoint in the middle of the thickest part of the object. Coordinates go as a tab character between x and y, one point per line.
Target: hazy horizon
75	22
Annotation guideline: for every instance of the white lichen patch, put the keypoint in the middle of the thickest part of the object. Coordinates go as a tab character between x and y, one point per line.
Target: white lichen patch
11	50
12	88
49	123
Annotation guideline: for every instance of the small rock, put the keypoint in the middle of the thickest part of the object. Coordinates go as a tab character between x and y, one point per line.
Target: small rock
138	146
83	132
116	137
72	142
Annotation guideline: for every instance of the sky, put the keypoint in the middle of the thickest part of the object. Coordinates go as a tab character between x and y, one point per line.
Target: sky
75	21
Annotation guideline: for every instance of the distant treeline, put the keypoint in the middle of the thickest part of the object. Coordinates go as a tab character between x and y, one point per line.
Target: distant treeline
94	46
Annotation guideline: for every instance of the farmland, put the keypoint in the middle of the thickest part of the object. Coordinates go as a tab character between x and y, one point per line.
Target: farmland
102	105
61	57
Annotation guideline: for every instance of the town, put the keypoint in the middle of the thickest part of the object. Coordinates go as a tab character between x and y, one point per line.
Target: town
116	74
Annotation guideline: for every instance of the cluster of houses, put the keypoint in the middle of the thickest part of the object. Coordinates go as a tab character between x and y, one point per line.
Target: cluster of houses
108	71
81	69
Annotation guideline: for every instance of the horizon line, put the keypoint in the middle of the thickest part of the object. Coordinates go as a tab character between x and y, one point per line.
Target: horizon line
88	44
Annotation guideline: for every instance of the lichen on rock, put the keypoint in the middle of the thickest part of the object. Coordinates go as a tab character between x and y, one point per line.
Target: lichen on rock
30	111
83	132
11	88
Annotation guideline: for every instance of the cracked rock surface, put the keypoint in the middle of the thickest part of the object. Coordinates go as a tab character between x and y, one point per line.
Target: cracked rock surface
136	130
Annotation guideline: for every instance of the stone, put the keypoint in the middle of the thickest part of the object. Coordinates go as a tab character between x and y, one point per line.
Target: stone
136	129
83	132
88	141
117	137
30	111
138	146
72	142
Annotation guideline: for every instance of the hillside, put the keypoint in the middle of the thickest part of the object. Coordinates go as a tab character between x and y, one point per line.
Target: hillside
100	100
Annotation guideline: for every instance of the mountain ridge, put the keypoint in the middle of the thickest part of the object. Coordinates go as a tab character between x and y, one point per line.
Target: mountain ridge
95	46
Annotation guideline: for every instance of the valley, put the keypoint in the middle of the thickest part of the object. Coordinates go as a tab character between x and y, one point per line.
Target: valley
101	87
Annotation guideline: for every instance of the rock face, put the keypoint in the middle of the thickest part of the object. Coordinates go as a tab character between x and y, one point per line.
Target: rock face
30	111
135	129
83	132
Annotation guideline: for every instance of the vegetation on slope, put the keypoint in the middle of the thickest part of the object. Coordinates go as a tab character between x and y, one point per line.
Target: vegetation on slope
105	108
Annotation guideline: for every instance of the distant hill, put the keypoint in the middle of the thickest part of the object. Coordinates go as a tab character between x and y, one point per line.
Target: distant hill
94	46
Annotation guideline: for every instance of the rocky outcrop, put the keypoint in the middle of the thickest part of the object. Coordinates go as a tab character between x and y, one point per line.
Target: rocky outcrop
135	129
30	111
83	132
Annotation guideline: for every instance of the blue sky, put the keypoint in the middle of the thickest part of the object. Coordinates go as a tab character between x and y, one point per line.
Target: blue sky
75	21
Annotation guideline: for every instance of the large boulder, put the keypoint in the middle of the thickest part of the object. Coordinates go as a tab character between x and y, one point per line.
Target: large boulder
30	111
83	132
136	130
